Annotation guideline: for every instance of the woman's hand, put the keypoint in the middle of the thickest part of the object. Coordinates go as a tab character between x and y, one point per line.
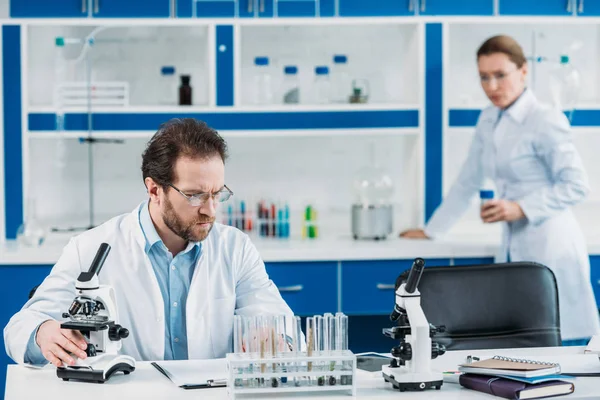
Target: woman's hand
501	210
414	234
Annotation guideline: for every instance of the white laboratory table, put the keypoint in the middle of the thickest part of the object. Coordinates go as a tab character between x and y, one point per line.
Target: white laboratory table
146	383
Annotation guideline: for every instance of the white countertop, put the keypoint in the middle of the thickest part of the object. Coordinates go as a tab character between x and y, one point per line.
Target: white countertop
337	248
321	249
147	383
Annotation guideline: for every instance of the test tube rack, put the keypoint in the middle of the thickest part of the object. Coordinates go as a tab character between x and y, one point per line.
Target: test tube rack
299	373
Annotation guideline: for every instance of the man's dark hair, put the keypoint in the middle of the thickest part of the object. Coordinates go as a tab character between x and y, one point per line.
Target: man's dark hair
177	138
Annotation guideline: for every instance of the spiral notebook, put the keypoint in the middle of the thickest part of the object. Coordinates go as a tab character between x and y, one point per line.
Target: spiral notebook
499	365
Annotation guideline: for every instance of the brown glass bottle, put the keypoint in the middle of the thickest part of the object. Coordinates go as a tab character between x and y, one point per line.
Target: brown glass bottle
185	91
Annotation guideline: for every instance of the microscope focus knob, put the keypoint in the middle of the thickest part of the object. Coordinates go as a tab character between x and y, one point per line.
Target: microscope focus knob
437	350
117	332
403	352
91	350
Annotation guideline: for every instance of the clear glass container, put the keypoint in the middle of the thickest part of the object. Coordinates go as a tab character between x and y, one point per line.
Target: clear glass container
341	83
564	85
322	86
263	94
290	86
373	187
31	233
167	86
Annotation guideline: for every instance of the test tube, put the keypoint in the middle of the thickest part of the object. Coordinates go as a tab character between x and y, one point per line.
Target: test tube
342	339
252	345
330	322
238	340
321	345
297	346
310	339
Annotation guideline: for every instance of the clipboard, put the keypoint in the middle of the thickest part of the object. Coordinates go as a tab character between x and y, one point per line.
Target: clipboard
194	374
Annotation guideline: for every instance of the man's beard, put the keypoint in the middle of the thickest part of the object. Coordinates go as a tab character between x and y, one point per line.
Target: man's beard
183	230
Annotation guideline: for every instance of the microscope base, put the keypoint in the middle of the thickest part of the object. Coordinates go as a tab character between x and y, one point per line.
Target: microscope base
97	369
406	381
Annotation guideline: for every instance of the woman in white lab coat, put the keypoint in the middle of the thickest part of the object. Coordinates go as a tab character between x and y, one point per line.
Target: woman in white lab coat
527	150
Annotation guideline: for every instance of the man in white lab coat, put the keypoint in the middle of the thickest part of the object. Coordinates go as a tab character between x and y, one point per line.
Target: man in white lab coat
527	150
178	276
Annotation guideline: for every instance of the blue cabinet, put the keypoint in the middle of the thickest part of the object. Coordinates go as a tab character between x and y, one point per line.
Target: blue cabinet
376	8
309	288
87	8
368	286
588	8
16	281
536	7
49	9
255	8
456	7
473	261
297	8
131	8
206	8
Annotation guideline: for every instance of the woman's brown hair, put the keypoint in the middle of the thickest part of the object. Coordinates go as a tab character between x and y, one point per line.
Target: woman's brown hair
503	44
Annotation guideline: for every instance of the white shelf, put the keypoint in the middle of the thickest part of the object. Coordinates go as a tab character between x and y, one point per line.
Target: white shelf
233	109
235	133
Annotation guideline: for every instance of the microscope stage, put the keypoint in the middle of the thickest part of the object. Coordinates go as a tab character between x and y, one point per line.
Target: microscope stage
85	326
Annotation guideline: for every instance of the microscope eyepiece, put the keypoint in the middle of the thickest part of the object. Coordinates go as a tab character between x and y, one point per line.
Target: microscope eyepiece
97	263
414	276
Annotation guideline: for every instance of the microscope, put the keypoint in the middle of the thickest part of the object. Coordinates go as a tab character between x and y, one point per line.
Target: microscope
410	369
94	313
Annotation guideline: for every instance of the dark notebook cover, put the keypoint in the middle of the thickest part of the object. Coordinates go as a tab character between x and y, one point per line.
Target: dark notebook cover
510	389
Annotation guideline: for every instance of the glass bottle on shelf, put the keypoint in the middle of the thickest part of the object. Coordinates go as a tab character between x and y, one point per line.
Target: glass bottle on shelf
291	86
322	85
341	83
263	94
185	91
167	88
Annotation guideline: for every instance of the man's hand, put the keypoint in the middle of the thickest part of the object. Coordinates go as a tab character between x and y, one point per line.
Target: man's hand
501	210
57	343
414	234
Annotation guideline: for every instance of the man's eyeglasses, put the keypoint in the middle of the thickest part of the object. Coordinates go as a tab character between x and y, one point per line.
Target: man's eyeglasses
198	199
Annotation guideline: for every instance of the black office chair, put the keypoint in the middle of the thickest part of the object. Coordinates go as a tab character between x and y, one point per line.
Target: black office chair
491	306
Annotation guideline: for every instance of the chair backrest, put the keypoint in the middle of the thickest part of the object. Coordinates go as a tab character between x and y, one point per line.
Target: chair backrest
491	306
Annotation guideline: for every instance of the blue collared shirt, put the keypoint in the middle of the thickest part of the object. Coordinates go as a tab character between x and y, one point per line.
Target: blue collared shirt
174	276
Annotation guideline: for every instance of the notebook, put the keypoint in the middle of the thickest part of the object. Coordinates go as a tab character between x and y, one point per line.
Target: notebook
499	365
512	389
194	374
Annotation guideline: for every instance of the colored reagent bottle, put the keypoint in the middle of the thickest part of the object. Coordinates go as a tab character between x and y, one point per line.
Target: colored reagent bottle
486	195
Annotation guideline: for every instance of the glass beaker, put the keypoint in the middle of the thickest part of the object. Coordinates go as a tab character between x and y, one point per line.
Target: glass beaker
31	233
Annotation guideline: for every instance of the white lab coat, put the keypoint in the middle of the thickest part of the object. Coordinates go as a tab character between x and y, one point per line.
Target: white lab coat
229	278
530	156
